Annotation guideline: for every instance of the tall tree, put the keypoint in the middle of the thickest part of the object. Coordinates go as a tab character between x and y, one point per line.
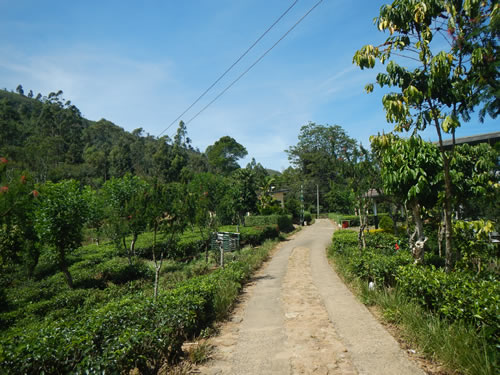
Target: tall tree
323	155
452	48
224	154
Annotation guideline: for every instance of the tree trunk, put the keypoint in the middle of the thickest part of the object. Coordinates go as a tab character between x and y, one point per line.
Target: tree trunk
157	274
64	268
448	231
447	189
157	266
362	225
417	249
440	237
126	250
132	244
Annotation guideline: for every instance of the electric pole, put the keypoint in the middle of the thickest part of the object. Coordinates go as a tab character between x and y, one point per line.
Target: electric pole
317	201
301	204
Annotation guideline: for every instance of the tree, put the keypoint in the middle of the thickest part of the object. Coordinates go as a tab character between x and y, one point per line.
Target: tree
206	193
18	239
224	154
167	212
323	156
452	47
321	150
59	219
244	192
126	210
411	172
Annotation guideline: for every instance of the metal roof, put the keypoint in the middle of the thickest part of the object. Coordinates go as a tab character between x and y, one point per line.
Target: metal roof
490	138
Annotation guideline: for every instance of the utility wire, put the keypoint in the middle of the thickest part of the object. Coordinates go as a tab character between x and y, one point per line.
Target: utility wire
231	67
255	63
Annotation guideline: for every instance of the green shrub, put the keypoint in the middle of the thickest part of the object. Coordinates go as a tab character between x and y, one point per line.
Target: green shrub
265	220
343	240
386	224
119	271
354	219
285	224
133	331
455	296
379	262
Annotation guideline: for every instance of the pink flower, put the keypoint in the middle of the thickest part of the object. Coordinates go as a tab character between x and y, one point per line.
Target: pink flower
3	160
4	189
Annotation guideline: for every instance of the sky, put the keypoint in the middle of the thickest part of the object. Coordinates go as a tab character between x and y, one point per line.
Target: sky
140	64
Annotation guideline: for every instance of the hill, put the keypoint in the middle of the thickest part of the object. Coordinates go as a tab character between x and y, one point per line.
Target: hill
48	137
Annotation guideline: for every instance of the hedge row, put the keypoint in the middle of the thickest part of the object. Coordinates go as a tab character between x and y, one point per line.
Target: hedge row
456	296
191	244
354	219
132	332
284	222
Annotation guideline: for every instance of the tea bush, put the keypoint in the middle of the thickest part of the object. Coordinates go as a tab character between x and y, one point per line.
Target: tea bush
284	222
378	262
131	331
455	296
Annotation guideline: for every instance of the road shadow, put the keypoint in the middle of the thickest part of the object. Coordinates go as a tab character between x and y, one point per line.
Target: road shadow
263	277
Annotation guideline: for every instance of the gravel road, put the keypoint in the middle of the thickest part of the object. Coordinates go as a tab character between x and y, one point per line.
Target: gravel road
297	317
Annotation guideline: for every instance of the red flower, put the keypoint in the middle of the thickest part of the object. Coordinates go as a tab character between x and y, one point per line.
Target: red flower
35	193
4	189
3	160
23	179
396	246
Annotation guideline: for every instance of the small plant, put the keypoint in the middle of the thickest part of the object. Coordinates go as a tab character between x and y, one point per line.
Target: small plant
200	352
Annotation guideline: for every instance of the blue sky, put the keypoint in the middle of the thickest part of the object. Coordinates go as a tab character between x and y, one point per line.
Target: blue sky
141	63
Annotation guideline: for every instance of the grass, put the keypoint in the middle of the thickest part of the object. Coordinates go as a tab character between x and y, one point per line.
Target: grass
458	345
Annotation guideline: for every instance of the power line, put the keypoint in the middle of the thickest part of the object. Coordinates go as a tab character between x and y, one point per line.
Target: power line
231	67
255	63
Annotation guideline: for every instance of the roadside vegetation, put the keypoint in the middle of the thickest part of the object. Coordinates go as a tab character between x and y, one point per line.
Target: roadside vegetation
450	317
106	236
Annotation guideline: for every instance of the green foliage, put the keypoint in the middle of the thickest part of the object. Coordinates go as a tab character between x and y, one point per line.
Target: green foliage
132	331
223	155
354	219
458	345
474	245
455	296
284	222
378	262
119	271
386	224
410	168
60	216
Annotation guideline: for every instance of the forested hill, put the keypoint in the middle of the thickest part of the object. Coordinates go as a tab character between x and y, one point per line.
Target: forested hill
48	137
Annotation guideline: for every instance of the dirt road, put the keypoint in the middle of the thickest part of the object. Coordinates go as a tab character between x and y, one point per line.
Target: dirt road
297	317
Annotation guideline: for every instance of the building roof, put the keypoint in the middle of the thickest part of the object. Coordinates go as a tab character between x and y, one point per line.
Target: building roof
490	138
372	193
